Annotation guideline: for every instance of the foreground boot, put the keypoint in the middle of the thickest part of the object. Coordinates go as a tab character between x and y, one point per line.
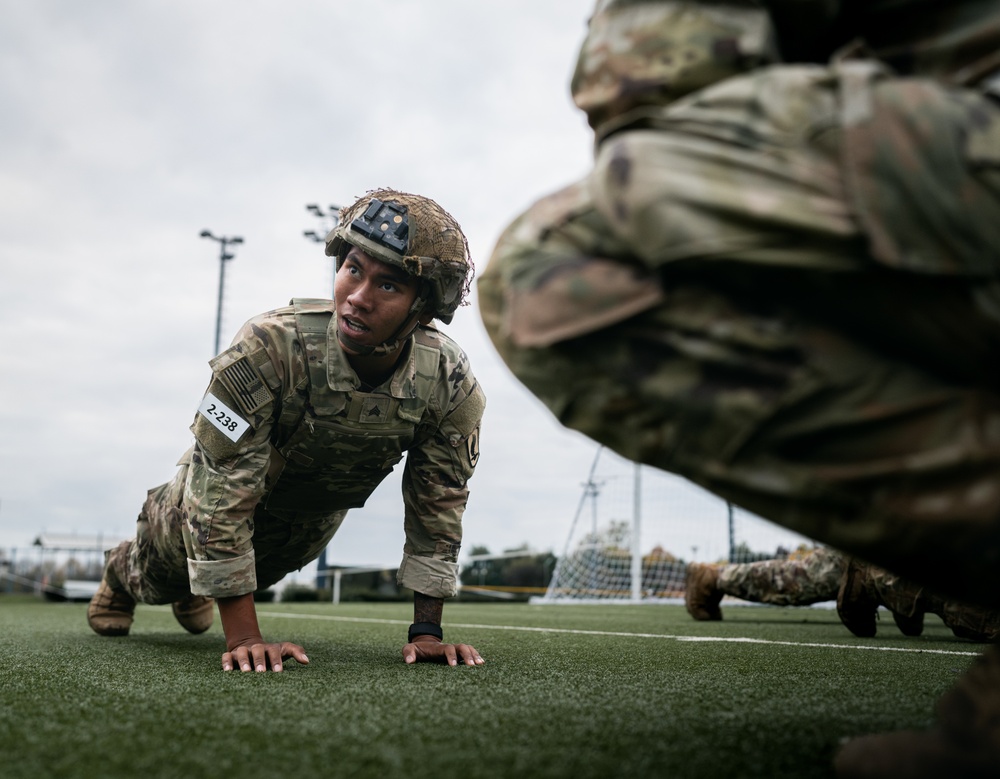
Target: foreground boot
972	622
701	592
907	601
964	743
195	613
111	610
857	604
912	625
863	588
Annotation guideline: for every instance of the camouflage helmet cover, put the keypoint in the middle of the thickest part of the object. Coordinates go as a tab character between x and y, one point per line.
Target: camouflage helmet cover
651	52
414	233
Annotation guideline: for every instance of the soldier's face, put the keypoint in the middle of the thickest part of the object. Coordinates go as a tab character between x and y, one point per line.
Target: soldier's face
373	298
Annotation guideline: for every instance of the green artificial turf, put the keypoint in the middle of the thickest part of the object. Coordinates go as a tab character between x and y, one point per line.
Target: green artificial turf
560	695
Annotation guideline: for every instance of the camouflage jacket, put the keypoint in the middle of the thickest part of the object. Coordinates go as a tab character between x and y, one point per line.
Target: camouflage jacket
956	41
286	427
641	53
780	166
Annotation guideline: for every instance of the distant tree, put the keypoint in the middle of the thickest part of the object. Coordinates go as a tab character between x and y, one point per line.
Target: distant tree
528	570
658	555
299	592
534	571
742	553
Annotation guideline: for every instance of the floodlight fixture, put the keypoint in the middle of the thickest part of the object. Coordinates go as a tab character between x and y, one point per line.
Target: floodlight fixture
331	218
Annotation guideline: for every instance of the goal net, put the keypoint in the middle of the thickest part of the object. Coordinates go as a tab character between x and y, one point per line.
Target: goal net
636	529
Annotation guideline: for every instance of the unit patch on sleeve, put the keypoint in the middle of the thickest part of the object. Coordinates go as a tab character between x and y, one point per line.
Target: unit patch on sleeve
223	418
244	381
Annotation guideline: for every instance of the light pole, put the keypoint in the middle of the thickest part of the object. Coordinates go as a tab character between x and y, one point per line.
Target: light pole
333	215
223	256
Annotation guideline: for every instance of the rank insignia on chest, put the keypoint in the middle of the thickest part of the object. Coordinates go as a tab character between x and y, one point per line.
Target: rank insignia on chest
372	408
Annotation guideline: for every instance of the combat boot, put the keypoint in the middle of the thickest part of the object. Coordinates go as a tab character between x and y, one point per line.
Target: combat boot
857	603
111	610
863	588
195	613
964	742
701	592
909	625
903	598
972	622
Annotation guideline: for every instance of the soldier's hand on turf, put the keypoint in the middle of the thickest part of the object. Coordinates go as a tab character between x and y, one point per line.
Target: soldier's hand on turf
428	649
261	656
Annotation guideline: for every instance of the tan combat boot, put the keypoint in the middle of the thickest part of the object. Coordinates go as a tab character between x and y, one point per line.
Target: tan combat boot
965	741
857	604
701	592
195	613
909	624
966	621
111	610
863	588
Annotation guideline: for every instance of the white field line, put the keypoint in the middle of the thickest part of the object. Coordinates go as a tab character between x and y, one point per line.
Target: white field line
623	634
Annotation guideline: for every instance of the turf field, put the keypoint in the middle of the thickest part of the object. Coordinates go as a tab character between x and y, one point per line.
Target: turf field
567	691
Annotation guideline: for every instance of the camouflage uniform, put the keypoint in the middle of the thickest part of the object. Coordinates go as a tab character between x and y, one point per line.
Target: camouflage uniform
799	581
815	577
781	285
287	441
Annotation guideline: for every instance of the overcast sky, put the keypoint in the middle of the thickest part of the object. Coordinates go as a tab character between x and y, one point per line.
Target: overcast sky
129	126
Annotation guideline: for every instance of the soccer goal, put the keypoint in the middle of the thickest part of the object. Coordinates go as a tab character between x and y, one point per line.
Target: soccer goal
636	529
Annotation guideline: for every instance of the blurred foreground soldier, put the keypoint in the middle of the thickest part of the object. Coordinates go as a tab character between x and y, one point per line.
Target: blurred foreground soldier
307	412
780	281
821	575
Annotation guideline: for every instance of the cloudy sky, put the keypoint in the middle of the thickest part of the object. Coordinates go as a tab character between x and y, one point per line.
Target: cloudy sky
129	127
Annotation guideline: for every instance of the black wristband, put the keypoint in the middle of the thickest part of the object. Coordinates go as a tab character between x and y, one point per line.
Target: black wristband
424	629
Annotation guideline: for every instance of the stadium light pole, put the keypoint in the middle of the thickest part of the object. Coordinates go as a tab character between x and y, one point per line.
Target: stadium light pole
332	217
223	257
732	534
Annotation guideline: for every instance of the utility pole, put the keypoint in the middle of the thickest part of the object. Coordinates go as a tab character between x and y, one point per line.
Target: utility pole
732	535
223	257
329	217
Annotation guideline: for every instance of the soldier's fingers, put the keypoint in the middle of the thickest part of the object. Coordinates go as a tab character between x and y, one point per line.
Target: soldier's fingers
274	657
259	652
241	659
288	649
227	661
469	654
450	655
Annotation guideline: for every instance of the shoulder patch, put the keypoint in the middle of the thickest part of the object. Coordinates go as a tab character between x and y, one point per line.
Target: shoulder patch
464	419
248	388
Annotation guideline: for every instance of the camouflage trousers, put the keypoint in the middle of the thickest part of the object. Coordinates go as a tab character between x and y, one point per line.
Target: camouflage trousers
815	578
812	578
782	367
800	423
152	567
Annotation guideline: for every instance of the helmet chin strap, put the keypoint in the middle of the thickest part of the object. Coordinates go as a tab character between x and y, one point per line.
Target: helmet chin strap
395	341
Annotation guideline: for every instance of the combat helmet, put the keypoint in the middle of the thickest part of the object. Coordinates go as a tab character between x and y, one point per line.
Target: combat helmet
414	233
640	53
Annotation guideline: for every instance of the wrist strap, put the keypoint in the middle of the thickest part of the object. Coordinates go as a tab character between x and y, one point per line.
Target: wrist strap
424	629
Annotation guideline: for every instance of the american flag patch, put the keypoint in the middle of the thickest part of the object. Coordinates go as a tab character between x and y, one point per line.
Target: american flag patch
248	388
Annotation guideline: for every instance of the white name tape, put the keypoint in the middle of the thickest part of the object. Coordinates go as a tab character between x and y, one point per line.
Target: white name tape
223	417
